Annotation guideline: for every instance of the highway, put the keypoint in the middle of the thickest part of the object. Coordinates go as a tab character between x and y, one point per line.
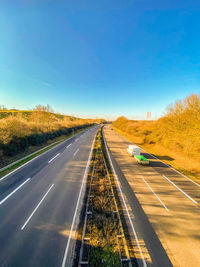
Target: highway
163	205
40	205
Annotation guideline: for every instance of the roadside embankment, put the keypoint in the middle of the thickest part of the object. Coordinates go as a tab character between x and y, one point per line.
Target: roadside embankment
34	152
24	132
174	138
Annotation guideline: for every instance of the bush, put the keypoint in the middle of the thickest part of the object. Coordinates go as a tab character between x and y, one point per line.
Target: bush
21	129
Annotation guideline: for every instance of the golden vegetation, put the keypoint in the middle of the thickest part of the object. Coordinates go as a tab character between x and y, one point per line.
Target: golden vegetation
103	238
21	129
174	137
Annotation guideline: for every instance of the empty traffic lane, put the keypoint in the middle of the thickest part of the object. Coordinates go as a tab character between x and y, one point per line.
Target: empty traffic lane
164	203
37	219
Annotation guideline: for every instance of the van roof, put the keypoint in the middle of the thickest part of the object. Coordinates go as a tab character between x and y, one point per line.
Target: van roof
134	146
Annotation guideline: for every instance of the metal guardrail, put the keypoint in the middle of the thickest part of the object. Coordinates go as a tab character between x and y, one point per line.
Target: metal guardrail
121	242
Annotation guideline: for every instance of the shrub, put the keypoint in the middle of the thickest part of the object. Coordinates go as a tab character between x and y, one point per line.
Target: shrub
21	129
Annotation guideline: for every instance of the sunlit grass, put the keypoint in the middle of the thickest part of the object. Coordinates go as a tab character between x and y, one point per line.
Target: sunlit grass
174	138
28	158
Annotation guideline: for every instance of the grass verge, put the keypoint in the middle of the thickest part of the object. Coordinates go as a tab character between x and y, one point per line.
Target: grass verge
173	159
28	158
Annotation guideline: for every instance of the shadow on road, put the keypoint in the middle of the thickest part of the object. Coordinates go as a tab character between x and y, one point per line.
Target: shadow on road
158	256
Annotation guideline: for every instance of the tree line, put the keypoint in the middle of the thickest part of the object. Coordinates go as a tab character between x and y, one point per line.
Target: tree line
178	130
22	129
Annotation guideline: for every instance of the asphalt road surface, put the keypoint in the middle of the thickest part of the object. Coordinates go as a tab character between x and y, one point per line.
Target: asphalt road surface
40	204
164	207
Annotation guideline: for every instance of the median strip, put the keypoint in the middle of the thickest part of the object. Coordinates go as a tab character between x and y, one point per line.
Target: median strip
103	235
103	229
125	205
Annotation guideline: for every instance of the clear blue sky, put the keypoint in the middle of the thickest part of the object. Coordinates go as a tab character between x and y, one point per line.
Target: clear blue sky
99	58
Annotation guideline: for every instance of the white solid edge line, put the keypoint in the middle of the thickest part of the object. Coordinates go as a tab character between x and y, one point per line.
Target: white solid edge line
2	178
126	140
69	145
53	158
155	194
18	168
194	201
36	208
76	152
16	189
116	178
77	204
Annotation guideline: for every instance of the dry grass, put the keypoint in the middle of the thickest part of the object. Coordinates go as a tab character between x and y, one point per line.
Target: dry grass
20	130
20	125
174	138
